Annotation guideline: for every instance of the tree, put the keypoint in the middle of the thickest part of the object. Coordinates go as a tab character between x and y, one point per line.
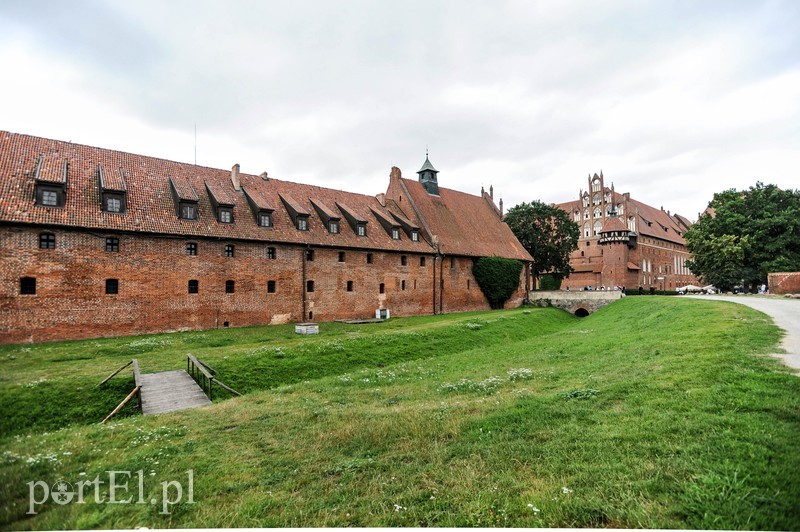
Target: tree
746	235
547	233
497	277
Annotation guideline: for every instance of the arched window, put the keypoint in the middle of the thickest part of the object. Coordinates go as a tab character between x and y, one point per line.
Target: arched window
598	226
596	199
632	223
597	212
596	186
586	228
620	209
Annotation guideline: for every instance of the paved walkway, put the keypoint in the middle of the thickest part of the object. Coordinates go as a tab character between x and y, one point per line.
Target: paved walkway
785	312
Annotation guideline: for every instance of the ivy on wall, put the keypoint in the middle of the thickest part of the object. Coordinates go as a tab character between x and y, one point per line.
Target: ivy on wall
498	278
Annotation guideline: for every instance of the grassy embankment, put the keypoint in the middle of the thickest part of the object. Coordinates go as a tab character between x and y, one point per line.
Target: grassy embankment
654	412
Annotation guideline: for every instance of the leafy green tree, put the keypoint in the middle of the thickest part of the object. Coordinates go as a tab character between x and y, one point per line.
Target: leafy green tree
547	233
748	234
497	277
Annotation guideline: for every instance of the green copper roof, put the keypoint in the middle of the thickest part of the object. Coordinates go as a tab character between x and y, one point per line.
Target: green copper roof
427	166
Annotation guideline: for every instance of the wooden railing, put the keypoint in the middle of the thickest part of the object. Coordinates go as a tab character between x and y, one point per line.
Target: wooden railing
136	390
205	376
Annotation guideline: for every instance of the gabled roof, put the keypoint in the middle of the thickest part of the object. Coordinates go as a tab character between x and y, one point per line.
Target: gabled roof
150	205
463	224
257	197
613	223
324	212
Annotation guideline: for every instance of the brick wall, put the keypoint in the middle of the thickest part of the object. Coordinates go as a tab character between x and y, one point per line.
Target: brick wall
153	275
784	283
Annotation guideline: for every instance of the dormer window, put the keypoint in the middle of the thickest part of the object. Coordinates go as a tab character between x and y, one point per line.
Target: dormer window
188	211
415	236
265	219
333	226
361	229
112	190
225	215
395	233
51	181
302	223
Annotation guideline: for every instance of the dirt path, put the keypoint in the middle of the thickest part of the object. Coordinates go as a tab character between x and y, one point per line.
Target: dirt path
785	312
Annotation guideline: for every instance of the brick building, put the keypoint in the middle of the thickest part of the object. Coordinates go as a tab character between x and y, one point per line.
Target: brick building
626	243
96	242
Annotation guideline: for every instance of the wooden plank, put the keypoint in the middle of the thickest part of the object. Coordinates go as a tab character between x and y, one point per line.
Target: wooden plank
169	391
119	406
120	369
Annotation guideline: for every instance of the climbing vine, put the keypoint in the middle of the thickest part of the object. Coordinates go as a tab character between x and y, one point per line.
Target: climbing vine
498	278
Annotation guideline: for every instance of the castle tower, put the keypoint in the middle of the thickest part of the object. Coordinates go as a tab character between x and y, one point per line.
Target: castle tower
427	176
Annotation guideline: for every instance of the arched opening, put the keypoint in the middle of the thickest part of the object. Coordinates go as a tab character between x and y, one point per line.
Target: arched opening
581	312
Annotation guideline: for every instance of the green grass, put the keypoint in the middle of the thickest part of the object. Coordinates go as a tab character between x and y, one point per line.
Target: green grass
652	413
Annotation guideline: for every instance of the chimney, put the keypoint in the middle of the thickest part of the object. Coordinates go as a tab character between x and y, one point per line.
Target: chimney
491	192
395	173
264	176
237	185
627	195
501	206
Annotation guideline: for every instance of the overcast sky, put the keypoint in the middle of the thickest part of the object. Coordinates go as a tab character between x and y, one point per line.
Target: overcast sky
673	101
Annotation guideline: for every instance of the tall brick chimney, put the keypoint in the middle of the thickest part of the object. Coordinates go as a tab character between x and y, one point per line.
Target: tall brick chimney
237	184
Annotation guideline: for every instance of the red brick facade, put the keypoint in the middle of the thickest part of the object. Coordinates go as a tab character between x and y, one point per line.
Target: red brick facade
784	283
626	243
334	269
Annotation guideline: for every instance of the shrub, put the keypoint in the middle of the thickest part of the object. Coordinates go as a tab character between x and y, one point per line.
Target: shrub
498	278
550	281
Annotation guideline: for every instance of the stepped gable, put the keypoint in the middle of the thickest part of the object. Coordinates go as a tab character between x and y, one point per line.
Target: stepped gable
464	224
151	204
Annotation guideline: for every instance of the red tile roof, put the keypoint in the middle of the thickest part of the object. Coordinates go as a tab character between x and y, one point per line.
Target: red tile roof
219	192
112	179
150	204
52	168
463	224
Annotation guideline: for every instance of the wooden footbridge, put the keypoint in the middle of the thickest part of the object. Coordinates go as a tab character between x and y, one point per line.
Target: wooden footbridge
169	391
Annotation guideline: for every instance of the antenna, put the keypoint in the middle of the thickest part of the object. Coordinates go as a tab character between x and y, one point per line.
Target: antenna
195	144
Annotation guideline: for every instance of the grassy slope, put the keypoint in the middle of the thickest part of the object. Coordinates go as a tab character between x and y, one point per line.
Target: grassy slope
653	412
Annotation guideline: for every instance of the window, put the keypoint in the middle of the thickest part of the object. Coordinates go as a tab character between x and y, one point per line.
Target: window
225	215
382	288
194	286
265	219
113	204
112	244
468	283
271	253
302	223
452	263
403	260
361	230
230	250
403	284
47	241
333	226
341	256
415	236
369	258
395	233
309	286
188	211
309	254
230	286
112	286
422	261
191	249
270	287
349	286
27	286
50	198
